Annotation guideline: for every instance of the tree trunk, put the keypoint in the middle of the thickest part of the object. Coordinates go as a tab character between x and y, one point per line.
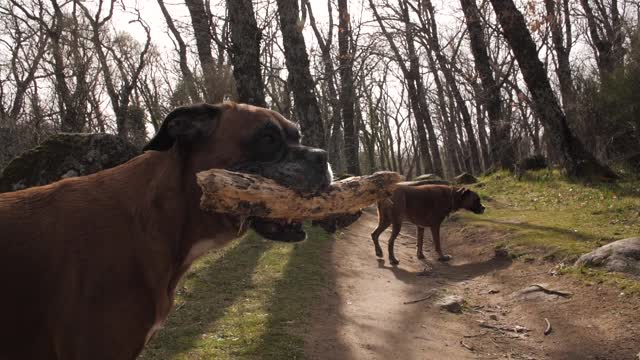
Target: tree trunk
608	43
575	159
563	51
500	127
414	71
431	30
444	114
300	80
336	138
200	25
347	93
414	99
245	52
187	75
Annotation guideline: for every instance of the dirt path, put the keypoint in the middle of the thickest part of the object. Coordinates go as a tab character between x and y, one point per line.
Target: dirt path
362	316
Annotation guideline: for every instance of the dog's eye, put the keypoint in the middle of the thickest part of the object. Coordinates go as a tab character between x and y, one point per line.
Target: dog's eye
269	139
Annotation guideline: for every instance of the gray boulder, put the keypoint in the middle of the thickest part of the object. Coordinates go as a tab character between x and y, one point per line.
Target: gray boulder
620	256
65	155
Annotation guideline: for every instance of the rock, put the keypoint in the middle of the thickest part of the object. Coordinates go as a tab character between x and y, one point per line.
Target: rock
65	155
465	179
451	303
335	222
619	256
427	177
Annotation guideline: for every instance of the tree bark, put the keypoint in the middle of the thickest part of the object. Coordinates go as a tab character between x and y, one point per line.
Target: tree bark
245	51
563	70
300	80
500	127
575	158
200	25
347	93
251	195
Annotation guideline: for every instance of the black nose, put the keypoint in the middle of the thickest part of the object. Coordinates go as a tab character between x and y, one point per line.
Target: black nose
317	156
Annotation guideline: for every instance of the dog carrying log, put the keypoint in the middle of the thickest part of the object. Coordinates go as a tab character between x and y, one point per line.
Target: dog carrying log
251	195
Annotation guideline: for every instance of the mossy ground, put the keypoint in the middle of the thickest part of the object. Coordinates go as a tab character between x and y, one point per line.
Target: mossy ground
551	217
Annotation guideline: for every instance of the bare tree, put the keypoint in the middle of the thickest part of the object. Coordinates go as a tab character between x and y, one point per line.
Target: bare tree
128	69
187	74
575	158
300	80
501	149
606	32
347	93
411	74
245	52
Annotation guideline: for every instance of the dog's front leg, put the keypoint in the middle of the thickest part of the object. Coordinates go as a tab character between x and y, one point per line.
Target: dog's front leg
435	233
420	237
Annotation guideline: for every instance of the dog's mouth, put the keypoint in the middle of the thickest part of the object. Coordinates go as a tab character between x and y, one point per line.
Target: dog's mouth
479	210
279	230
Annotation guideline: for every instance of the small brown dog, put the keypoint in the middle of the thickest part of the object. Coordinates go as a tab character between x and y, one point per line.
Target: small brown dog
424	206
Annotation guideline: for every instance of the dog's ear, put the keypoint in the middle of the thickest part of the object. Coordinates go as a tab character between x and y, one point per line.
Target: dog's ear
185	125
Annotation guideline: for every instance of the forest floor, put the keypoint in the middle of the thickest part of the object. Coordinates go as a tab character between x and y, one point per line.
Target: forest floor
331	298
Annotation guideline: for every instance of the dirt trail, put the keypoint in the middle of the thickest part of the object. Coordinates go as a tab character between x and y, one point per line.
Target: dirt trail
362	316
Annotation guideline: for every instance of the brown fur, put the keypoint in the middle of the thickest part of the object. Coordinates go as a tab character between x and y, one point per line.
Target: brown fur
90	264
424	206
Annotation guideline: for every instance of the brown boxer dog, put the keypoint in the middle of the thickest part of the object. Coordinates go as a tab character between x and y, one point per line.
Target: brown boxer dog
90	264
424	206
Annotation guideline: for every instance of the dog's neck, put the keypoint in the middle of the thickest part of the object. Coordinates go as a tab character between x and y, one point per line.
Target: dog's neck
170	188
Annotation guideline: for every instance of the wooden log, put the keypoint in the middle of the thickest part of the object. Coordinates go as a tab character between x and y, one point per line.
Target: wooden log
252	195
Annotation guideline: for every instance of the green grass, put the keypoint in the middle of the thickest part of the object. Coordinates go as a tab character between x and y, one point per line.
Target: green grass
246	301
551	216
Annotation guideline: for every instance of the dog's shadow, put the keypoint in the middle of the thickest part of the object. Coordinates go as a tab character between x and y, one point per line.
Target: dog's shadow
444	271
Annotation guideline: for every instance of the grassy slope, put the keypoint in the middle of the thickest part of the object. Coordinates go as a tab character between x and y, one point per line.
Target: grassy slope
548	216
246	301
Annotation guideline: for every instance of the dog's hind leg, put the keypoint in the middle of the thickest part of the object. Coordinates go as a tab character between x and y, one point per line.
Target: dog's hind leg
395	230
420	237
383	224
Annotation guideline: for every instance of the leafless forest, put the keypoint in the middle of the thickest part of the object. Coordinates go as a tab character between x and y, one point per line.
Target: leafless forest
414	86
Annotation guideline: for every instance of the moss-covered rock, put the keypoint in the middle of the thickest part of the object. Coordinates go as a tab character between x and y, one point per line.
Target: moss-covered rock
65	155
465	179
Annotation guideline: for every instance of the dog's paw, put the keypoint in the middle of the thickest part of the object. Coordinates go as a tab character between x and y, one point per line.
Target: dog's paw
394	261
421	256
445	257
379	253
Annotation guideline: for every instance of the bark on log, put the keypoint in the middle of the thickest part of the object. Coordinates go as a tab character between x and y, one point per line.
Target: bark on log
252	195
